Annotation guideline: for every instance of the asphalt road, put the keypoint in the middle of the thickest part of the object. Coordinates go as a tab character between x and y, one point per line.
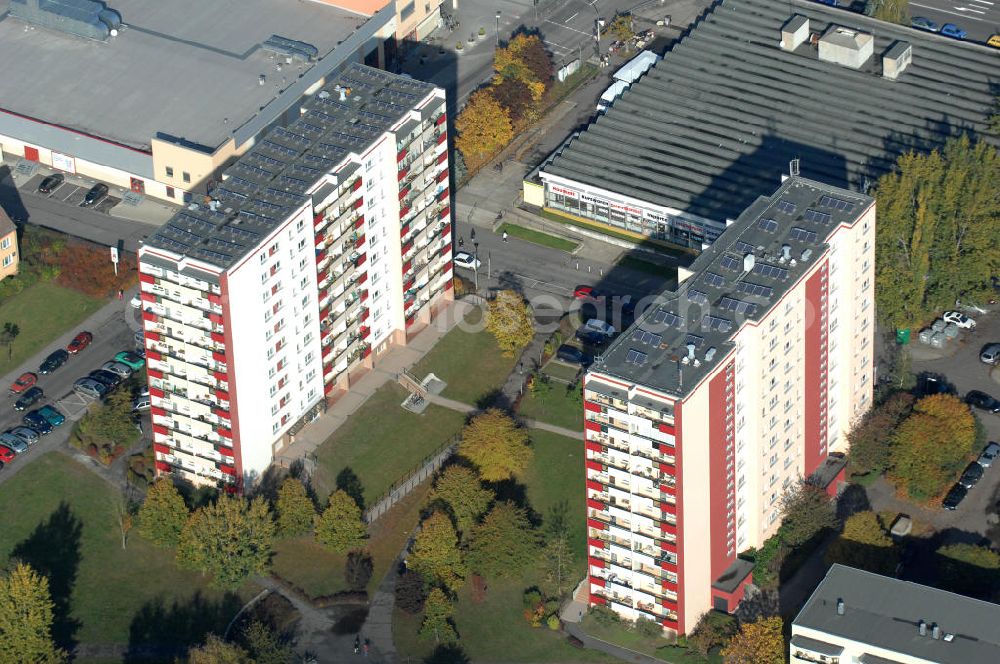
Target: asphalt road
980	18
110	337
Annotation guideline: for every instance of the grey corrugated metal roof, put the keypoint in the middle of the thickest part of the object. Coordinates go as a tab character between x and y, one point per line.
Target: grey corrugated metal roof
719	296
720	116
270	182
885	613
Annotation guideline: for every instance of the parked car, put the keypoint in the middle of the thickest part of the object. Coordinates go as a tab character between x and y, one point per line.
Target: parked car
591	337
90	387
990	354
959	319
51	414
955	497
119	368
599	326
133	361
467	260
573	355
929	384
13	442
921	23
136	301
96	193
982	401
971	475
28	398
24	382
51	183
6	454
55	360
989	455
30	436
140	339
953	31
140	404
994	41
37	421
586	293
106	378
830	3
79	342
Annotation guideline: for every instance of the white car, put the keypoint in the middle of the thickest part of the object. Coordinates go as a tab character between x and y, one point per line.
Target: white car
990	354
598	325
959	319
989	455
465	259
136	301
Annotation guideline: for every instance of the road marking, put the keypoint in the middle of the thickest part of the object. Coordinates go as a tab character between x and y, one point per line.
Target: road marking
945	11
967	9
561	25
559	46
572	17
984	2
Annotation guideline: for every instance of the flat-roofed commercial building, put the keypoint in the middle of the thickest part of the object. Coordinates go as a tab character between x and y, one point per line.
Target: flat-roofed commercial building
179	90
723	393
857	616
321	247
753	85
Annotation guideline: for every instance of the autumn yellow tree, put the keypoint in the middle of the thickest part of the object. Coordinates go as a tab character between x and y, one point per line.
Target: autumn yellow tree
864	544
26	615
758	642
496	445
510	321
524	59
484	127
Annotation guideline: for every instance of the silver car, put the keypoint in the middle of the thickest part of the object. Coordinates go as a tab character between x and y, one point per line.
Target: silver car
90	387
28	435
13	442
989	455
118	368
990	354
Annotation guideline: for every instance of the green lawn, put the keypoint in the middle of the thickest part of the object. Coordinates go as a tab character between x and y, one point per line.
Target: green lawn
538	237
57	515
560	372
555	403
469	361
654	647
382	443
42	312
495	629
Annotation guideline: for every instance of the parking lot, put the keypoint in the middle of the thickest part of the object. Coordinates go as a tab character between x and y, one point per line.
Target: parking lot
69	193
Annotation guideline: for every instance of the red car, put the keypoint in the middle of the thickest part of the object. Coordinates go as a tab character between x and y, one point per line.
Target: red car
79	342
585	293
25	381
6	454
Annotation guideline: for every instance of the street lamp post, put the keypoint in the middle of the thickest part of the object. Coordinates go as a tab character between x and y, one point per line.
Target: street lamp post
475	263
498	28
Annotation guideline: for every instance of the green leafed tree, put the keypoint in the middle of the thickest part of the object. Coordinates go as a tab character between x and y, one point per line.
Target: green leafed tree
435	554
265	646
510	321
437	624
938	232
871	437
891	11
557	561
295	510
969	569
229	539
163	513
496	445
341	528
864	544
505	543
460	489
217	651
806	511
26	618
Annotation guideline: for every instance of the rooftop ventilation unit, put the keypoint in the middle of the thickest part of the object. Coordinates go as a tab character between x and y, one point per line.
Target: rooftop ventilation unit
846	47
786	253
690	350
709	354
807	254
896	60
83	18
749	261
794	33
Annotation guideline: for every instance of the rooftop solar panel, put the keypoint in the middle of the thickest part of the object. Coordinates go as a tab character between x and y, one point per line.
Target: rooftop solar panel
698	296
803	235
648	338
716	323
771	271
754	289
713	279
636	357
668	318
836	204
787	207
817	216
739	306
730	263
769	225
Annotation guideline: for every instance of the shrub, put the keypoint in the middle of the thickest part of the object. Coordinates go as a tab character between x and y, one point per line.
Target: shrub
647	627
604	616
358	570
410	592
553	622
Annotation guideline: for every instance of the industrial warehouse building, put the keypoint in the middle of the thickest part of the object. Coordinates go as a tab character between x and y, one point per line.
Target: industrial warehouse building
754	85
159	97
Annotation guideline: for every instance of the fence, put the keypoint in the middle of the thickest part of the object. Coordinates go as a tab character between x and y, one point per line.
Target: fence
430	465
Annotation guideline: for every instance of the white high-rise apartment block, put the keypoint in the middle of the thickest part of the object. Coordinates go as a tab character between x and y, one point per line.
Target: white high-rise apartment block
325	244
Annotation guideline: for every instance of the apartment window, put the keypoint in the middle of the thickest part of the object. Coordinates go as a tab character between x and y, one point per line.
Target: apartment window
274	429
274	390
301	225
271	372
302	264
186	176
368	166
369	185
263	257
170	171
310	374
302	284
7	260
309	358
302	245
5	243
170	192
274	409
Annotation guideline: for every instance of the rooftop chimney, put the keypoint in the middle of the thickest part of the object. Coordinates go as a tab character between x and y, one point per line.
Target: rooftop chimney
690	349
846	47
922	628
794	33
896	60
935	631
840	606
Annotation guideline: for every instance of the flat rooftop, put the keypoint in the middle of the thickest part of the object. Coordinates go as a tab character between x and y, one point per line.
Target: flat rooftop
884	612
721	115
737	279
269	183
188	69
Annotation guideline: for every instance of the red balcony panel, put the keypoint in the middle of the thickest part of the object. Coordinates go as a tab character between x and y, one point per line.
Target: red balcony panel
666	468
153	355
358	203
317	218
596	525
667	508
446	250
360	242
668	528
227	451
592	407
403	192
363	278
361	260
406	267
442	176
593	445
218	337
411	320
447	266
318	239
327	388
444	212
359	222
404	229
596	504
227	470
443	137
364	316
409	284
666	428
357	184
592	426
597	562
595	485
147	297
443	157
160	429
441	119
220	412
156	392
320	255
156	410
161	448
594	599
224	432
153	336
153	373
364	355
163	466
218	357
402	174
401	156
667	565
222	395
364	332
594	465
215	318
364	295
446	230
406	247
220	376
670	547
669	585
149	316
403	211
595	542
443	196
324	312
214	298
597	582
670	624
147	278
327	350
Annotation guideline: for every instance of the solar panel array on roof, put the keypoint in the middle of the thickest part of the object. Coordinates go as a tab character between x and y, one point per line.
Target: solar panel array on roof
668	318
739	306
769	225
695	340
698	296
648	338
753	289
836	204
802	234
636	357
770	271
713	279
743	247
817	216
716	323
785	206
730	263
